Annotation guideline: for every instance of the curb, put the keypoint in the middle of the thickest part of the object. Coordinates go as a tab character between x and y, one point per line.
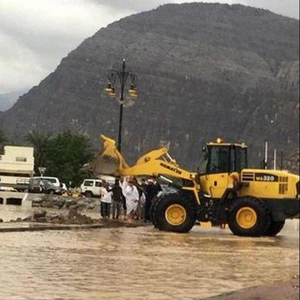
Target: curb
42	227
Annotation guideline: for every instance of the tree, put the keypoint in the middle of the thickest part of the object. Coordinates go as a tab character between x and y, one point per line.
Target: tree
66	155
3	139
40	142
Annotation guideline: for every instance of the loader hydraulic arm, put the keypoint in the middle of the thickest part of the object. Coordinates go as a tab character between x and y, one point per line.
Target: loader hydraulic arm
156	162
151	165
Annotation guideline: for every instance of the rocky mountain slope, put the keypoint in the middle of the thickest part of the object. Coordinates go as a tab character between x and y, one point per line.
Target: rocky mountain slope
204	71
8	99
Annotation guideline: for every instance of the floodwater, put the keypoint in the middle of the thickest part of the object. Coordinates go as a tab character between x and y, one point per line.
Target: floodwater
140	263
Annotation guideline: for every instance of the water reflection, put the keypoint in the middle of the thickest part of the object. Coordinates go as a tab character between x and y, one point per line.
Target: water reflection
139	263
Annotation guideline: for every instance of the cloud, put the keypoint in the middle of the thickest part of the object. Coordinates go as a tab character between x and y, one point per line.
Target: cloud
288	8
285	7
36	34
19	66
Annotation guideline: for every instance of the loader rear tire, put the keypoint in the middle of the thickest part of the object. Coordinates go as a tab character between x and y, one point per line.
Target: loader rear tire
275	227
249	216
174	212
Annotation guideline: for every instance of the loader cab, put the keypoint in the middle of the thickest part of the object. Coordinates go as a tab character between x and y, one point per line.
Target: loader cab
221	160
220	157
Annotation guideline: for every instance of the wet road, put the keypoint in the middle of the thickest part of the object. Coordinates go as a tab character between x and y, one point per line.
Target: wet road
140	263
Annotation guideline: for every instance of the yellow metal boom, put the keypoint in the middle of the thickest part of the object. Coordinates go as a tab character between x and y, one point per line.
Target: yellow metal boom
156	162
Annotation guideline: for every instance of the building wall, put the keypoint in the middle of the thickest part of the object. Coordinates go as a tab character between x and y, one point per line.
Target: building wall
17	160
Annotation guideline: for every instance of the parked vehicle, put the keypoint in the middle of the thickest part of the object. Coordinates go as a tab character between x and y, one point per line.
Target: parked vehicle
7	189
42	185
91	187
63	187
54	180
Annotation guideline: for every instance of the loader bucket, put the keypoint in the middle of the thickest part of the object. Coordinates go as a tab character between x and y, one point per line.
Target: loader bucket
109	160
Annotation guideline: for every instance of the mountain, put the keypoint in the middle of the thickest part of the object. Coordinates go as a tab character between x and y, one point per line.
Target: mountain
7	100
204	71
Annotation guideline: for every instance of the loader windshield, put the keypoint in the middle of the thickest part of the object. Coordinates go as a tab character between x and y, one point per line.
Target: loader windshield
218	159
223	159
203	166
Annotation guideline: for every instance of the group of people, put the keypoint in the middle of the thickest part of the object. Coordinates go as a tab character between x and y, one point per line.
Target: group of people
129	196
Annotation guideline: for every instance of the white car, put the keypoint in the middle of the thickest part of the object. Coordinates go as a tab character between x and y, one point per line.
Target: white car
64	187
53	180
91	187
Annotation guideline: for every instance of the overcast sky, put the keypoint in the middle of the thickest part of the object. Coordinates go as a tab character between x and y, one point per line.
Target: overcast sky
36	34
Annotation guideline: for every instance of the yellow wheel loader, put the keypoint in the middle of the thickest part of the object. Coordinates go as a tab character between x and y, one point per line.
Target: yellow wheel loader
253	202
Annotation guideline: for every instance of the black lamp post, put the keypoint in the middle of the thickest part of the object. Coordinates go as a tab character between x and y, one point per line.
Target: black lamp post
122	75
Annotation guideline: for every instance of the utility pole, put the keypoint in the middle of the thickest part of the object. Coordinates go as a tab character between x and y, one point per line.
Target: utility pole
265	161
275	159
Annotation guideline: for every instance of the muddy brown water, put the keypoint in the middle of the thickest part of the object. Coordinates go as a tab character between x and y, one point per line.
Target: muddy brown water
140	263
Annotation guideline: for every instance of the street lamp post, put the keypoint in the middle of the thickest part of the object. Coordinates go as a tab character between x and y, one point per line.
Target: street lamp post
122	75
122	80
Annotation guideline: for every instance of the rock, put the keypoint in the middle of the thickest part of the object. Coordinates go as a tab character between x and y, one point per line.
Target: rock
91	206
55	221
57	203
73	207
36	202
39	214
70	202
42	220
81	204
46	204
1	220
62	218
78	218
60	203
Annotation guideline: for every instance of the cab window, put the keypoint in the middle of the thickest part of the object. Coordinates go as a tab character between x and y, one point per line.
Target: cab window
241	159
218	159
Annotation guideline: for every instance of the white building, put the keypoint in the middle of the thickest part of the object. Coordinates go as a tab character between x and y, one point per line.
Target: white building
16	165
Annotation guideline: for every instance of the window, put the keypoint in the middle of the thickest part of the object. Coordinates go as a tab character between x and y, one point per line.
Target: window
241	159
53	180
219	159
88	183
203	166
22	159
35	182
98	183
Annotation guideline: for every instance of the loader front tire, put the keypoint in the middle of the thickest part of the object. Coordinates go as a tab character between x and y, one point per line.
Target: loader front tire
152	209
249	216
174	212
